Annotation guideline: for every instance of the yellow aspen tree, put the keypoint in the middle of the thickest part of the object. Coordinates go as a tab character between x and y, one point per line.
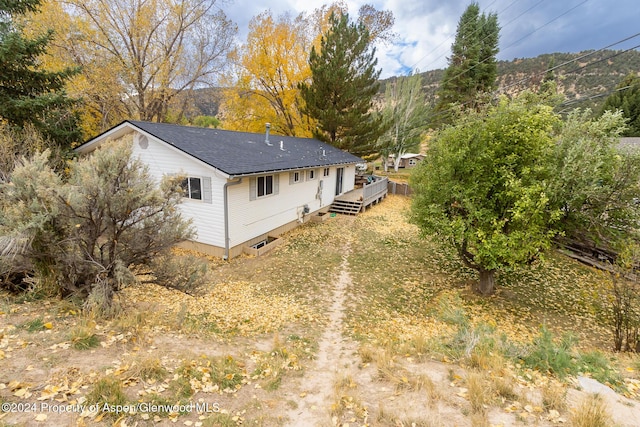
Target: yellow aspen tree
273	62
155	49
270	66
100	92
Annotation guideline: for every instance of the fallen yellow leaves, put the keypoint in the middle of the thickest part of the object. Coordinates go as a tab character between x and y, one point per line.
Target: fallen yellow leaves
236	308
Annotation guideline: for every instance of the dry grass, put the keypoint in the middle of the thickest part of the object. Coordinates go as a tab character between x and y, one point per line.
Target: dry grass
479	391
554	396
407	305
346	402
591	412
148	369
135	322
504	387
385	417
82	336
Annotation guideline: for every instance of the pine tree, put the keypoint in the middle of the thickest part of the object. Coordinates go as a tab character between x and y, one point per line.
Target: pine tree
627	99
472	66
343	83
28	94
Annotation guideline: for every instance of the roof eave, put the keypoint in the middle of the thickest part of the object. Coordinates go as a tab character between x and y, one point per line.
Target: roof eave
271	171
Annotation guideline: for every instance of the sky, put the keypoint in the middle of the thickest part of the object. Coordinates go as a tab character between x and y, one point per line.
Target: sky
426	28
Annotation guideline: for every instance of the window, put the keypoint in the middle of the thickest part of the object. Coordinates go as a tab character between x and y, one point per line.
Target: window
265	185
192	188
325	172
295	177
311	175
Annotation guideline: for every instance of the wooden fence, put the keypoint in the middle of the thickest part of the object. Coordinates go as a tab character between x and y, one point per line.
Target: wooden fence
399	188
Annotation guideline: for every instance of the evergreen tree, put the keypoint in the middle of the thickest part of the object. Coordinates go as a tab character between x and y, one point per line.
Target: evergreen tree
29	94
343	83
627	99
472	66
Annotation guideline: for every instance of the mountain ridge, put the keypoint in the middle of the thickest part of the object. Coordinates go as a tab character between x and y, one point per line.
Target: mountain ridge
585	79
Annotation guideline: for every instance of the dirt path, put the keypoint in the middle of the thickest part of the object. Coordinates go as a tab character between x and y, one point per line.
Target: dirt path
335	359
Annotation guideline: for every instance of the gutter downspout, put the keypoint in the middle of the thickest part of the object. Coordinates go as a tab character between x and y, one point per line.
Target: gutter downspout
227	239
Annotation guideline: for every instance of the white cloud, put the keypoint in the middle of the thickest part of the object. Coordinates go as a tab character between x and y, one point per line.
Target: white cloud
427	27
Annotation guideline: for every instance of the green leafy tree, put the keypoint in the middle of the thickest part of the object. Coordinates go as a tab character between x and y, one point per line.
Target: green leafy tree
206	122
405	112
29	94
627	99
596	182
482	187
343	83
472	68
90	233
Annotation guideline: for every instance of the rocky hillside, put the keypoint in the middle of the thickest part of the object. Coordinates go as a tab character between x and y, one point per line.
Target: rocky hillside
585	78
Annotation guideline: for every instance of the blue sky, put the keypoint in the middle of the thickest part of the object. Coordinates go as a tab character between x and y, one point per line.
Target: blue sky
427	28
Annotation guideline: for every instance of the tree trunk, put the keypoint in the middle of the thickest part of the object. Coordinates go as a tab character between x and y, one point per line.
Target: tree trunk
487	282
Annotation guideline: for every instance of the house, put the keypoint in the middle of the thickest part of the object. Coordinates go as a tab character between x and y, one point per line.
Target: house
407	160
241	189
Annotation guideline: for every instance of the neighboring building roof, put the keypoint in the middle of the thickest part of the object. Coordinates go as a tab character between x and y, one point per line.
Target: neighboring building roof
241	153
630	142
407	155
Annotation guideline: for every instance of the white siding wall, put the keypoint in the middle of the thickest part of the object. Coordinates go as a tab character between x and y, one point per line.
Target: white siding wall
207	217
349	178
247	218
252	218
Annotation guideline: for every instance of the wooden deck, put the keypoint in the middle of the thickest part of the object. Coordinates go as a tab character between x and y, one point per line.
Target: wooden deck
360	198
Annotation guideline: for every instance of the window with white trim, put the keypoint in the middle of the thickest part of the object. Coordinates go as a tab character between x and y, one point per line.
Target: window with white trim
192	188
325	172
295	177
311	174
263	186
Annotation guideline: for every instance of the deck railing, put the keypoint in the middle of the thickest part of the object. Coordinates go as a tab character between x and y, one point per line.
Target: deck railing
374	190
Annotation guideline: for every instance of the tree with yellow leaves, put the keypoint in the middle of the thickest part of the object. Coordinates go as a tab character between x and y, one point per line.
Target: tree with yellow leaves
273	62
270	66
153	50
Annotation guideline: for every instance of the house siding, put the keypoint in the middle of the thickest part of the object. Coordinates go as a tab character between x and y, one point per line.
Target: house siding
250	219
255	218
207	218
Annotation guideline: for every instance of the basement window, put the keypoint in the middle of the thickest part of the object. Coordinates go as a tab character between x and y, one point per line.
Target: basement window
264	242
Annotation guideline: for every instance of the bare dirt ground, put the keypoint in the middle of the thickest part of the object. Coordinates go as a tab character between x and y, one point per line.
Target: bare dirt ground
287	339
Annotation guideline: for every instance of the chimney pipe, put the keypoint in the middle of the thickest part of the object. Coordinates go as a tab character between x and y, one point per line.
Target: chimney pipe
266	141
282	145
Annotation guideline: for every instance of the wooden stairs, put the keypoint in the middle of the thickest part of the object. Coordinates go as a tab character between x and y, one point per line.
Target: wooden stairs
347	207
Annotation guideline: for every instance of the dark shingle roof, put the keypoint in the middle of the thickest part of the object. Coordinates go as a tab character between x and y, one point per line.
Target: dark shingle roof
243	153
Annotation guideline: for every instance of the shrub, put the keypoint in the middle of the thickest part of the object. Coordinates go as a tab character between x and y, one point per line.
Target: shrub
624	314
88	229
550	356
